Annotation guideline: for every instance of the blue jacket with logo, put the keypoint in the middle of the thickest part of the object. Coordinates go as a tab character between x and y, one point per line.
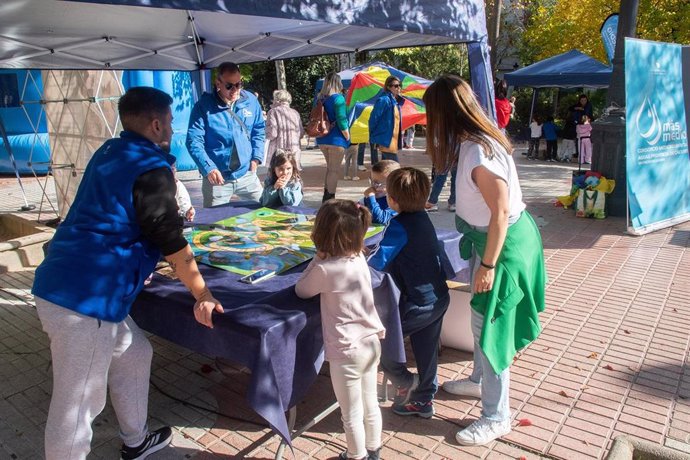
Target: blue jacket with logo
98	260
381	120
214	134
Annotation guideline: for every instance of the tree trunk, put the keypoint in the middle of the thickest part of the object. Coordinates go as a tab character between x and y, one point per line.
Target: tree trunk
494	31
280	74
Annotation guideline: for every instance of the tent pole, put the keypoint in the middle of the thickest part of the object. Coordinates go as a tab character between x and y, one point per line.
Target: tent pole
6	141
534	102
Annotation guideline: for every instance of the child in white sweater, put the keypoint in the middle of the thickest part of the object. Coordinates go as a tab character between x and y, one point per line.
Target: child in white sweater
351	325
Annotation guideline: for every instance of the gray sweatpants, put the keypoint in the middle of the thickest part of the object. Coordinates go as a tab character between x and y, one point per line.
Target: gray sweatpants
88	356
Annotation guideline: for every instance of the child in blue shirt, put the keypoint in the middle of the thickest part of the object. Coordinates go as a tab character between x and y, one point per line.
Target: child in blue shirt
283	186
549	130
375	196
410	252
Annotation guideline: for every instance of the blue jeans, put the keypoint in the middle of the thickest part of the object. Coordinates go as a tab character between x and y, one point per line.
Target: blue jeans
247	187
495	387
374	154
438	181
423	325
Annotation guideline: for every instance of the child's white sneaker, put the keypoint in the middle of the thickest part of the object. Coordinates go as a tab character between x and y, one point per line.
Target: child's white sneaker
347	178
355	177
482	431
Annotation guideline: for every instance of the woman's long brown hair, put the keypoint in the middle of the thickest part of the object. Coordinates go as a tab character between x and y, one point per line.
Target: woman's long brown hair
453	115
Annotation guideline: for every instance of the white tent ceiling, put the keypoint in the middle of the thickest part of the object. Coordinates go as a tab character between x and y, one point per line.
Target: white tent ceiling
54	34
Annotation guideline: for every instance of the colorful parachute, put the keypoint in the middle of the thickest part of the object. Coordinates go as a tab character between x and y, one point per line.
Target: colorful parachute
367	85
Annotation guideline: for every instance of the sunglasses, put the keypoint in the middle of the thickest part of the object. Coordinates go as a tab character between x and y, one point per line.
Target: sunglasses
230	86
395	86
377	184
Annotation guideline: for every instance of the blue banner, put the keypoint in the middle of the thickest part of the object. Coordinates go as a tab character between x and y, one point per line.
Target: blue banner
657	159
608	30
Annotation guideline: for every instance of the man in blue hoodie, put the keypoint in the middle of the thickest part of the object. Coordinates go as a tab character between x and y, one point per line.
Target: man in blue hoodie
226	139
124	216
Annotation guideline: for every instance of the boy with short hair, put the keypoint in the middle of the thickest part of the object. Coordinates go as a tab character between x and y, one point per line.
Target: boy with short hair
410	252
375	196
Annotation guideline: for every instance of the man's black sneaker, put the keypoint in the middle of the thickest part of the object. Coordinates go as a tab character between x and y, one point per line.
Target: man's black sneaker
155	441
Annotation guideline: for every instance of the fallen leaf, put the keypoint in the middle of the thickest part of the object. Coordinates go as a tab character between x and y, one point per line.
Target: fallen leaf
593	355
602	341
626	331
584	387
585	441
524	422
608	367
675	310
563	393
578	367
206	369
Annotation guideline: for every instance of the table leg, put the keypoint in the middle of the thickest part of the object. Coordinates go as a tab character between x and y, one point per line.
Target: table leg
292	417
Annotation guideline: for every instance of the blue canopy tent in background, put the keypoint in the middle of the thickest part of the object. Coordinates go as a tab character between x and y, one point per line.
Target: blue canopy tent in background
572	69
568	70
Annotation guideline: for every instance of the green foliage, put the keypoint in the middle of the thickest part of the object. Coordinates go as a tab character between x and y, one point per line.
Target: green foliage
301	75
428	61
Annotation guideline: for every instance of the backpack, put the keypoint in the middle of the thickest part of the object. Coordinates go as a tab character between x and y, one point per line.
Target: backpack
318	124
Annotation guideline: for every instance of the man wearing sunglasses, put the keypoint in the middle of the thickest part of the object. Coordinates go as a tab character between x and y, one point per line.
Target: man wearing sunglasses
226	139
385	122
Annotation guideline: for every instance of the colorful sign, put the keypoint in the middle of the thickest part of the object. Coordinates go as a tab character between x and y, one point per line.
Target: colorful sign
657	158
261	239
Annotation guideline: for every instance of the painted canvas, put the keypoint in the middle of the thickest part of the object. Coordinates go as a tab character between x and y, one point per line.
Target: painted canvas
261	239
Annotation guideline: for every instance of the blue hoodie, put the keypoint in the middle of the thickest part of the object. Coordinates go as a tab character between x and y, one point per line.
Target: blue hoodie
214	134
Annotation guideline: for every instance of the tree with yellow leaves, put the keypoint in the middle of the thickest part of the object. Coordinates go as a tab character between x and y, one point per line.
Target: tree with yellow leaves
557	26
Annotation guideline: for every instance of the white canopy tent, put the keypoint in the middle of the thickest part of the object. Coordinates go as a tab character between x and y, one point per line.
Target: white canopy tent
193	35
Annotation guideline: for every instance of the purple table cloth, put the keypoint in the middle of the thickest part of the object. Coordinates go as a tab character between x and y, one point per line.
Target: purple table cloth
265	326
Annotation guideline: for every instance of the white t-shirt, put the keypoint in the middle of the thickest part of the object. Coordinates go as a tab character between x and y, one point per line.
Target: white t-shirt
535	130
471	206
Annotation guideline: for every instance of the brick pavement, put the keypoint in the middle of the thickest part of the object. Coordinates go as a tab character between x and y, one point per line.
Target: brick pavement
612	359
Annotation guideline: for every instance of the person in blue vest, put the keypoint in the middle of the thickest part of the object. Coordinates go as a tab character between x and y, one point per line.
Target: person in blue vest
385	121
225	138
124	216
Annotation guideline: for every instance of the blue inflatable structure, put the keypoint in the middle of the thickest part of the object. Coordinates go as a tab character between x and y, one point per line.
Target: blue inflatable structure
25	123
181	87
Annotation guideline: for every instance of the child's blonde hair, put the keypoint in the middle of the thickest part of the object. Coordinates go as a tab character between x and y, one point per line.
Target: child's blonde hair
409	187
340	227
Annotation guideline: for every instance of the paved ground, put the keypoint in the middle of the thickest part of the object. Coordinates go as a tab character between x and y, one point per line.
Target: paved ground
613	357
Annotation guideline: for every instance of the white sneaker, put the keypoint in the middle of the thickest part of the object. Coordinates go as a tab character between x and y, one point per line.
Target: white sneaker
451	207
355	177
463	387
482	432
347	178
362	168
431	207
